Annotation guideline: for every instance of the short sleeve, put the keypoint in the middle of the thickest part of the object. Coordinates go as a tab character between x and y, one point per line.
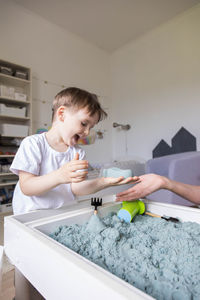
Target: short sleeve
28	157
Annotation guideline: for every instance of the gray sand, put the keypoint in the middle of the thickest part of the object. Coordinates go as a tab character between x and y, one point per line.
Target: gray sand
160	258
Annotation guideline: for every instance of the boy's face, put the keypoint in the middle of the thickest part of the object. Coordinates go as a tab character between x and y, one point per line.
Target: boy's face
77	124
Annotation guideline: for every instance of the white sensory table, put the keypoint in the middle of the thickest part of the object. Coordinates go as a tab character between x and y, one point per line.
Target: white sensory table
58	272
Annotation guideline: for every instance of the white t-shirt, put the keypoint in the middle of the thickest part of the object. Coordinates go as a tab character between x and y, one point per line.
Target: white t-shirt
36	156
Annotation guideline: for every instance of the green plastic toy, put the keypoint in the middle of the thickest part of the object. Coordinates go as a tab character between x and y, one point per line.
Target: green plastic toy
130	209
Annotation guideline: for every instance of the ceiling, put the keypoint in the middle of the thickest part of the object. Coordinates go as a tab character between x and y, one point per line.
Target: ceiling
109	24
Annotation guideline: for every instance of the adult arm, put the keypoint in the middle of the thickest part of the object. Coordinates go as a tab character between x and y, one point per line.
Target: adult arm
150	183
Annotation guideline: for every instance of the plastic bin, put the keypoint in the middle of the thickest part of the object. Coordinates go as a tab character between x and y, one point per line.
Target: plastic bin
6	70
13	130
21	74
13	111
1	267
7	91
20	96
6	207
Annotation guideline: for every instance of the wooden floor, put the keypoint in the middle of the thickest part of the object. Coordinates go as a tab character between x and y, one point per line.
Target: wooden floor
7	287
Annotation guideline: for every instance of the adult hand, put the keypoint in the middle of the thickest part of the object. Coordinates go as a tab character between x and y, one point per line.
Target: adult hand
146	184
73	171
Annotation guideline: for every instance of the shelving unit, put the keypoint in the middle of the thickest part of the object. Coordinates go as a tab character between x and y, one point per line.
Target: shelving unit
15	94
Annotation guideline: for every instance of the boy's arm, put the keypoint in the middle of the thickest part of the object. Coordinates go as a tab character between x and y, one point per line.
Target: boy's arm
34	185
87	187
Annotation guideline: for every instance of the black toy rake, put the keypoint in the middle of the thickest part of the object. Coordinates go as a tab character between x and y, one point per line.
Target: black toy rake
174	220
96	202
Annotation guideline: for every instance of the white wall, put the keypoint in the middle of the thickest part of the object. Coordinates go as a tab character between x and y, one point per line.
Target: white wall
58	57
155	79
156	86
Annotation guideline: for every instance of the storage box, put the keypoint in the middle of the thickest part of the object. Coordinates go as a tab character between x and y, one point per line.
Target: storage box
13	111
13	130
20	96
1	267
6	70
4	91
7	91
6	207
21	74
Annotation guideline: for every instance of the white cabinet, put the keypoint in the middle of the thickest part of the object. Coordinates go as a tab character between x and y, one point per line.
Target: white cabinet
15	120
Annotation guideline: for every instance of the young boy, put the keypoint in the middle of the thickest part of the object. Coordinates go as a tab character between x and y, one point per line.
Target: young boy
50	166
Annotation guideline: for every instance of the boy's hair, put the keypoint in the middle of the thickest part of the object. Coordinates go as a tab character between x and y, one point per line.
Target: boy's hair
78	99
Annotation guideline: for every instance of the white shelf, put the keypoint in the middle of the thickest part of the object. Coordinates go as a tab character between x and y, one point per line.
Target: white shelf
14	118
7	141
2	184
7	174
11	137
13	78
17	118
13	101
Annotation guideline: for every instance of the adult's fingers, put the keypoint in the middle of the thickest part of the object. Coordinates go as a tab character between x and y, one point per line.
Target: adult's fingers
126	193
126	198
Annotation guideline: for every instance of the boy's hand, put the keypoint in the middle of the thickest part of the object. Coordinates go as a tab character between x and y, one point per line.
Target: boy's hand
73	171
112	181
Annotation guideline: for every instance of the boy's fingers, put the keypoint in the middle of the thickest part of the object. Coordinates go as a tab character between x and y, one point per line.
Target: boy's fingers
117	180
129	179
135	178
80	168
80	163
120	178
79	174
123	180
76	156
77	179
132	180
